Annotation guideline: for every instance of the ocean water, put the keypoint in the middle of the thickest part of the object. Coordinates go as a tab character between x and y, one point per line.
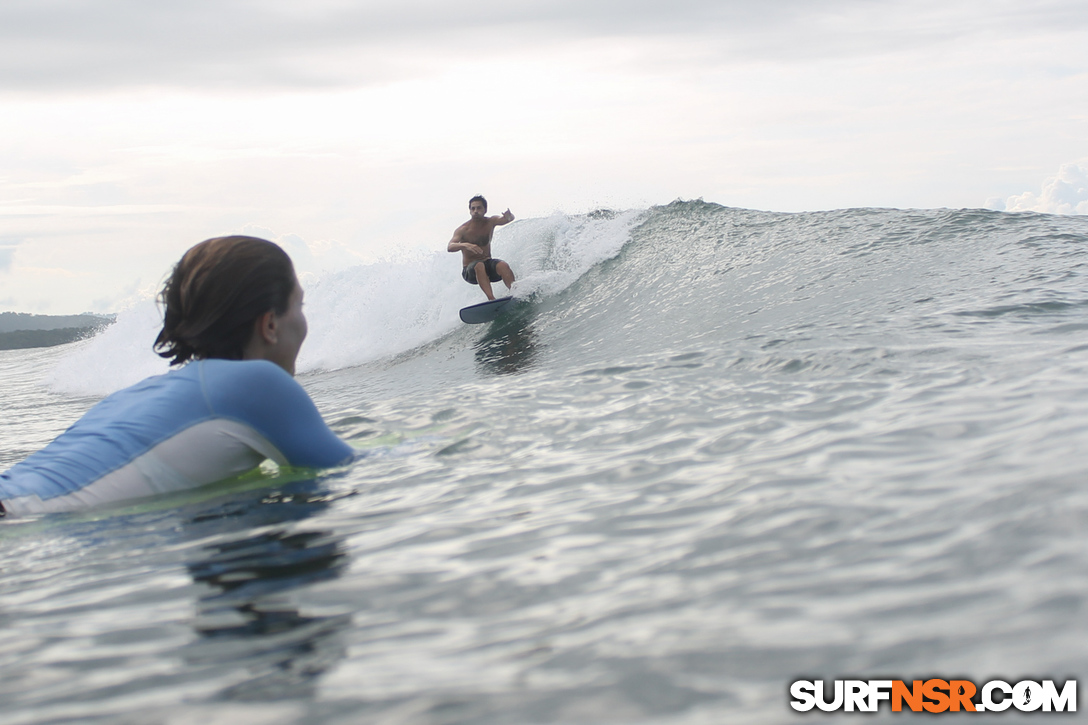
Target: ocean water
710	452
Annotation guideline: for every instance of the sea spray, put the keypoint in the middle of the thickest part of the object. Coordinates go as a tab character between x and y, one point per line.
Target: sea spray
372	311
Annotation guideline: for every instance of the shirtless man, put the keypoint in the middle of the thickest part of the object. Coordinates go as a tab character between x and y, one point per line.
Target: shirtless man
473	240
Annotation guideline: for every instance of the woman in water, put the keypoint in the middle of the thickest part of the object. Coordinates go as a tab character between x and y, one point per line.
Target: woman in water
233	320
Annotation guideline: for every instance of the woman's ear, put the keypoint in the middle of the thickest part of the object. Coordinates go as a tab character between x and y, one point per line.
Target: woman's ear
266	328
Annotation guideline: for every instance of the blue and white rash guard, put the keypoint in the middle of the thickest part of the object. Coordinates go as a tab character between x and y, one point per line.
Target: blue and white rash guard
207	421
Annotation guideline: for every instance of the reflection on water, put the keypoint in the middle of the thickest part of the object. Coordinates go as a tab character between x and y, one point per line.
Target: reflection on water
248	618
509	345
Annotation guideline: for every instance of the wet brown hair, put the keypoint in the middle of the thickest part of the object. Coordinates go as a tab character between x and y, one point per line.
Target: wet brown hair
215	294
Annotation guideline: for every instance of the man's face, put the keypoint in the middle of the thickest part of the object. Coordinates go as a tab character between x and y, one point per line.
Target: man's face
477	209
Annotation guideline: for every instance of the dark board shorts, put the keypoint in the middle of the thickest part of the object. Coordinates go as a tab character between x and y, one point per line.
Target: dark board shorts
469	272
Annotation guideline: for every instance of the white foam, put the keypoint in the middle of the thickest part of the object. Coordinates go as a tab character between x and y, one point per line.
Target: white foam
550	254
115	358
374	311
371	311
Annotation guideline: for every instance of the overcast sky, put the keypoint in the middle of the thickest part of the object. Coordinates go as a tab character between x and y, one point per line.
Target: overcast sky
356	130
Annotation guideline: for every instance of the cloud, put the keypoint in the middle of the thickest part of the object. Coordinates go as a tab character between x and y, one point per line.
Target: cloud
64	44
310	258
1066	193
7	254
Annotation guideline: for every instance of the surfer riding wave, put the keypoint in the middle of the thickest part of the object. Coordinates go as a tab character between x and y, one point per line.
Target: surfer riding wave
473	240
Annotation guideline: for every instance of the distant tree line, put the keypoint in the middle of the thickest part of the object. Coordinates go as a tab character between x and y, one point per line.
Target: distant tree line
19	331
21	339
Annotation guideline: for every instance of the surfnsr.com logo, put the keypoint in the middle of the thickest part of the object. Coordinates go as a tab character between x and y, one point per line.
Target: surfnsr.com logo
934	695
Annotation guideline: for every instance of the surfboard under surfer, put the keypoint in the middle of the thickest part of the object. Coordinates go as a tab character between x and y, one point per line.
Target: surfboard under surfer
473	240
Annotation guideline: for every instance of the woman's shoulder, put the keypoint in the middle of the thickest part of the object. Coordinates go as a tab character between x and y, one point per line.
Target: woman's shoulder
254	385
240	369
